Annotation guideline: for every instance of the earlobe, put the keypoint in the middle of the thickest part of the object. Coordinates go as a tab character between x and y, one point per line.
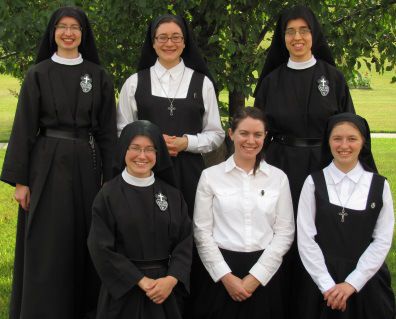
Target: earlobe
230	134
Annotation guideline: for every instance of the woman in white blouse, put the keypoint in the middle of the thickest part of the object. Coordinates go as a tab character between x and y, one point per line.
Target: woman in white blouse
345	228
173	89
243	226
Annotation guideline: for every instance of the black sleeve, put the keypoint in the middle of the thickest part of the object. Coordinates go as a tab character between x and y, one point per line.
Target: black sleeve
107	134
117	272
24	133
345	102
181	256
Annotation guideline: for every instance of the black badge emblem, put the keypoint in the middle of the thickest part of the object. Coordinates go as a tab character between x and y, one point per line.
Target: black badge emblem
86	83
323	86
161	201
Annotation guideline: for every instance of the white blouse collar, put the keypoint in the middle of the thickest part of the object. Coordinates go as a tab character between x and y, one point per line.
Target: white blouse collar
56	58
301	65
354	174
137	181
175	72
230	165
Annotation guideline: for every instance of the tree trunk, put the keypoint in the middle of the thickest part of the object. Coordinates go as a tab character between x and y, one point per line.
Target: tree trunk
236	101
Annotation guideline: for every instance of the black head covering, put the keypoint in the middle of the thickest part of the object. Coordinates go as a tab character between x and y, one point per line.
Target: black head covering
163	165
191	56
278	53
365	155
87	47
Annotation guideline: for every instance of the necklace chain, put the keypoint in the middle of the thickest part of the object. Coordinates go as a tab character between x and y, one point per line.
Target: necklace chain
343	214
171	107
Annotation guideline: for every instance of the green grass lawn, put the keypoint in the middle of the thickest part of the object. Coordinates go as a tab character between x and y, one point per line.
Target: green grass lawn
384	151
8	103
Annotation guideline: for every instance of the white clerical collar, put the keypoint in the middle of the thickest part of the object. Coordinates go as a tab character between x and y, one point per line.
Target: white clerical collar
56	58
354	174
175	72
137	181
301	65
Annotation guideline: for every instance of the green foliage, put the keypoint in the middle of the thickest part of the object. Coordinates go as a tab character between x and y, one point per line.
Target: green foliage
233	35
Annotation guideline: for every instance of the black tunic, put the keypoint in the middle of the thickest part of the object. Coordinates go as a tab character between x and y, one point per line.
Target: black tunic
128	229
187	119
53	274
342	244
295	106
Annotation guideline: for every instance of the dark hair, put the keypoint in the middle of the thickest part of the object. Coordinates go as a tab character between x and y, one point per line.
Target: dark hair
254	113
167	19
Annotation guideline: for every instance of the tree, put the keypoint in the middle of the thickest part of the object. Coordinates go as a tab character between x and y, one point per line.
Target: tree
233	35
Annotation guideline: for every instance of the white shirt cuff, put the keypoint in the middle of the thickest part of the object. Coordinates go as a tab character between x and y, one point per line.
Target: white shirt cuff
218	271
260	273
356	279
192	143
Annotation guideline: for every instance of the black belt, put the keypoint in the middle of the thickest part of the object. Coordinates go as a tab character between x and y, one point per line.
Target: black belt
297	141
151	264
78	134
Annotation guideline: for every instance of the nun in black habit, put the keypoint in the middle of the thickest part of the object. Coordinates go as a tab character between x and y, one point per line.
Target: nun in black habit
59	153
174	89
298	89
345	228
141	236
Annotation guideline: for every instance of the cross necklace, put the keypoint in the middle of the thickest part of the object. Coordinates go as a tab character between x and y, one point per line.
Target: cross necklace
342	213
171	107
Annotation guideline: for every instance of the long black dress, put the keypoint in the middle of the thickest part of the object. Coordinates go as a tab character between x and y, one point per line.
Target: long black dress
294	106
187	120
132	237
342	245
53	274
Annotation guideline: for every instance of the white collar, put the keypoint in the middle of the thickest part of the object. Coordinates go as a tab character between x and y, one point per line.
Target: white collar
301	65
56	58
230	165
338	175
176	71
137	181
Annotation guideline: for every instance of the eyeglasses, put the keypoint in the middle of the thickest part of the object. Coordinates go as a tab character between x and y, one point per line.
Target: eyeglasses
163	38
302	31
134	149
72	28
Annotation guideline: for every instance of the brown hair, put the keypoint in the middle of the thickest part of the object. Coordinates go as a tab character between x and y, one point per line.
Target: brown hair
254	113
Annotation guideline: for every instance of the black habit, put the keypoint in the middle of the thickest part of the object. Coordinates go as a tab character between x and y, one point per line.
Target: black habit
295	107
132	237
53	274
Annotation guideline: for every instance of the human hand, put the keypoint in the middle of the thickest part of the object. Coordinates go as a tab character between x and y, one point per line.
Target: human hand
22	196
161	289
234	287
146	284
169	144
175	144
338	295
250	283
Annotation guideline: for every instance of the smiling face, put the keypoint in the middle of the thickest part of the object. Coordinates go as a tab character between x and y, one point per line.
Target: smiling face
68	37
345	142
299	45
248	139
140	157
169	52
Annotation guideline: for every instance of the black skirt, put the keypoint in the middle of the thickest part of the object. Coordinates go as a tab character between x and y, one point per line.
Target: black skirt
213	300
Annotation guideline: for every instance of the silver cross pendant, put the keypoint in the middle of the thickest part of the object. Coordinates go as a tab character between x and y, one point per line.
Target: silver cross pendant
171	108
343	215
